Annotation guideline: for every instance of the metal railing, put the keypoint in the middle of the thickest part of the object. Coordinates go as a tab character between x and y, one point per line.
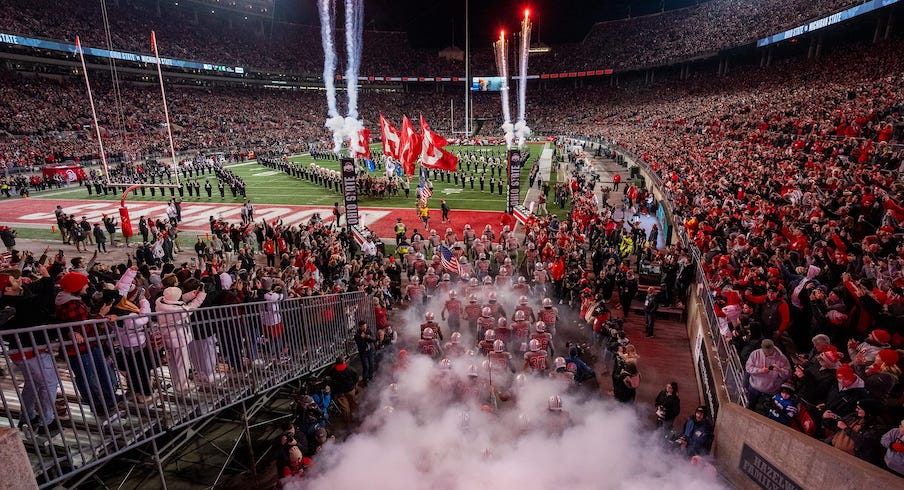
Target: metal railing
726	355
84	393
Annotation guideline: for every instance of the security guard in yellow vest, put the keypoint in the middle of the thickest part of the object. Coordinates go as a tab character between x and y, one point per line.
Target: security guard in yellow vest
399	231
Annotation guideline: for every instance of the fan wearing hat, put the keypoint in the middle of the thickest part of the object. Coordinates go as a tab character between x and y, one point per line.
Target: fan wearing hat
844	394
174	326
90	369
133	306
768	369
860	433
882	376
783	408
864	353
815	380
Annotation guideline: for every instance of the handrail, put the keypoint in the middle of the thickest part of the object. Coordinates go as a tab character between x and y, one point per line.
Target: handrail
141	377
726	355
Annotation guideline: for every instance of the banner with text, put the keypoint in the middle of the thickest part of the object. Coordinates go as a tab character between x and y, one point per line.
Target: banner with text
350	191
514	179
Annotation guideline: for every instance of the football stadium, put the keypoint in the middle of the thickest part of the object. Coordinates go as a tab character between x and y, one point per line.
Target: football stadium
457	245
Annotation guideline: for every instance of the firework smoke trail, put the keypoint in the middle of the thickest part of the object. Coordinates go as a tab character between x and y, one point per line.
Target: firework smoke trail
334	121
502	68
521	129
354	26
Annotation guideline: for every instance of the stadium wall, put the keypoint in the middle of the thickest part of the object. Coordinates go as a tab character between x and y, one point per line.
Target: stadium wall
780	457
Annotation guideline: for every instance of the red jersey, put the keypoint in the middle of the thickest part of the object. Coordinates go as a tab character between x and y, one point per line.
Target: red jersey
537	361
528	312
520	330
434	326
544	338
453	307
429	348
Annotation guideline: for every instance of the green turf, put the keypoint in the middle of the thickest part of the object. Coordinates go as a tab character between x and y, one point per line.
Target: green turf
268	186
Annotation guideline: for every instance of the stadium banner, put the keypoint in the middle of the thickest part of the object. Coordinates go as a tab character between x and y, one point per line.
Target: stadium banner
863	8
68	173
350	191
117	55
514	180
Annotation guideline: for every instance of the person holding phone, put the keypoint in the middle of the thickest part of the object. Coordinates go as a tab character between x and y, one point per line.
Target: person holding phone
93	377
768	369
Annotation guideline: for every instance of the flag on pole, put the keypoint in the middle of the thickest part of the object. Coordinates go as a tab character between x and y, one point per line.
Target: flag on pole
448	262
410	146
432	153
426	192
360	148
391	138
371	166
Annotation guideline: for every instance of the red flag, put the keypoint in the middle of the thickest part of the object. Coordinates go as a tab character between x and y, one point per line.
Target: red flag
432	153
391	139
153	42
361	148
411	146
441	159
436	140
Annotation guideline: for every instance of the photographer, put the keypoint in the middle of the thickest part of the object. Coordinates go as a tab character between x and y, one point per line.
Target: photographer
8	236
667	405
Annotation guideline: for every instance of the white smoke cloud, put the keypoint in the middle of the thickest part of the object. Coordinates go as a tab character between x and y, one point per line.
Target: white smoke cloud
502	67
521	129
522	132
508	132
437	436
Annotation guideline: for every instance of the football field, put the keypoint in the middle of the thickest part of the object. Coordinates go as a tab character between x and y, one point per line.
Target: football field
272	188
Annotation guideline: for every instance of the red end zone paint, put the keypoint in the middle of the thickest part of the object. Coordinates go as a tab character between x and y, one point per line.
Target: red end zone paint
38	213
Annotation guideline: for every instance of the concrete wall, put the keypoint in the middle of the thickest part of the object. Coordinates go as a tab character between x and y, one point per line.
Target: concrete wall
17	472
804	460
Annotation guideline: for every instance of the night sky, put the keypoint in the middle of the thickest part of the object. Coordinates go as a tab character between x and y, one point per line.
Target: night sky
432	24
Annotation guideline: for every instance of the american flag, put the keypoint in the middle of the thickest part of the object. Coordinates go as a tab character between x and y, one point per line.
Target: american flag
449	263
425	191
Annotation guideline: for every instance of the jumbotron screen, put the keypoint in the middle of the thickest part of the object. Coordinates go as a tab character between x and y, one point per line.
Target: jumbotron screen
487	84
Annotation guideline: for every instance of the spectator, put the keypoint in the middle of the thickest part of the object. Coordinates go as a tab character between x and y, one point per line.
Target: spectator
767	368
343	382
697	437
93	377
893	441
174	307
667	405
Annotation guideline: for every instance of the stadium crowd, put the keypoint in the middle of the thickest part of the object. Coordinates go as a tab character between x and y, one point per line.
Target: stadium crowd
705	28
787	180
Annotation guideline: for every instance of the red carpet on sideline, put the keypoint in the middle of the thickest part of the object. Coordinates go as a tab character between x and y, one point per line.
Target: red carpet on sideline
38	213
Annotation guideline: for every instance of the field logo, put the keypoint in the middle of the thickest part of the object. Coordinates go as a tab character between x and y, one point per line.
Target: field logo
350	191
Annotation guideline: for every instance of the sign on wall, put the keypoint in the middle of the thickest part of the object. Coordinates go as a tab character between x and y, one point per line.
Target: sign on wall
763	473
